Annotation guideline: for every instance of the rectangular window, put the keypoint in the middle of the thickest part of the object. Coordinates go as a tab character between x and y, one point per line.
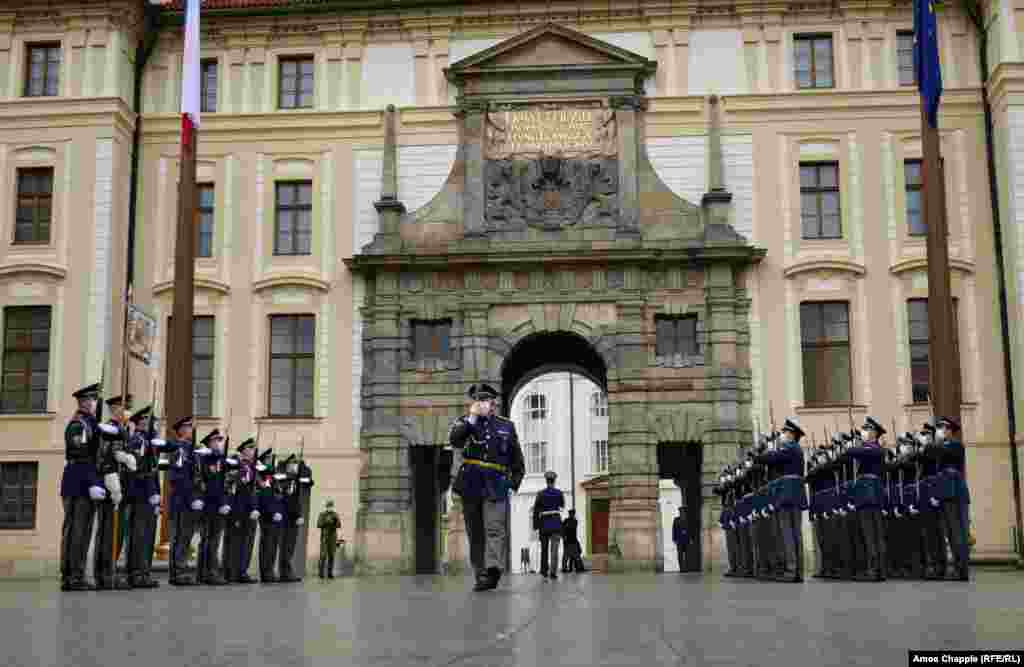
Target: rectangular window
825	342
26	371
204	245
813	61
920	344
293	224
42	70
536	407
202	366
675	336
431	340
295	83
912	188
819	201
536	458
905	58
598	404
35	206
208	86
18	484
600	456
291	365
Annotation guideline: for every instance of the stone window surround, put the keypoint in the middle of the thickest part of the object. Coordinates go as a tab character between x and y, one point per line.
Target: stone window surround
813	37
19	61
455	342
269	358
688	361
52	297
907	147
840	74
849	346
30	350
22	529
832	147
34	156
272	95
26	80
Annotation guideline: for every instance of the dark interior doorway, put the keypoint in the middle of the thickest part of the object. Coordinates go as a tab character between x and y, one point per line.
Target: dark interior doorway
683	463
430	479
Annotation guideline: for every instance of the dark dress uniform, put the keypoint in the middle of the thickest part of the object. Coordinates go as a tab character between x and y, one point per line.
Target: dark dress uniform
272	512
547	506
186	489
109	457
789	498
573	559
80	486
213	517
952	492
868	500
142	501
492	466
296	489
241	534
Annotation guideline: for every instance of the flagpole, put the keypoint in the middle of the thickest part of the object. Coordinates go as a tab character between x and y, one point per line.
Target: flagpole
943	356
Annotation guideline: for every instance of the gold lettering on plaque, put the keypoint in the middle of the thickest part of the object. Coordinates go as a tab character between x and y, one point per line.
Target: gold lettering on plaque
565	132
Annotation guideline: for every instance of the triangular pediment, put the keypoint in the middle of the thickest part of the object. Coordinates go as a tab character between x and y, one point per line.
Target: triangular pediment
551	45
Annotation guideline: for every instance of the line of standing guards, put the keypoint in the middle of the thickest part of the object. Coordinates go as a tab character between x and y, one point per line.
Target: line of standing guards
874	512
113	468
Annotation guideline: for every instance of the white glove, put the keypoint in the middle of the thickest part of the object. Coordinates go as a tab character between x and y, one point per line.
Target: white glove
225	509
254	515
300	521
113	483
203	451
231	461
154	500
277	517
156	510
97	492
851	506
885	512
934	501
260	467
126	459
197	505
108	429
157	442
771	508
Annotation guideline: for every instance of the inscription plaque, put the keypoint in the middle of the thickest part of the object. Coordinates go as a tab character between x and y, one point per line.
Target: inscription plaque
545	130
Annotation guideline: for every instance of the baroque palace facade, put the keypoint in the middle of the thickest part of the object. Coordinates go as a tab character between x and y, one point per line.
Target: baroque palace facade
743	237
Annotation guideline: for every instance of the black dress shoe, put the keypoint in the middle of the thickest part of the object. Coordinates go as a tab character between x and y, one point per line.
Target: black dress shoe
270	579
292	579
145	582
246	579
123	584
183	580
104	585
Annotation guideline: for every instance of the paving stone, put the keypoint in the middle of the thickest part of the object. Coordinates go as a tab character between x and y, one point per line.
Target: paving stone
636	619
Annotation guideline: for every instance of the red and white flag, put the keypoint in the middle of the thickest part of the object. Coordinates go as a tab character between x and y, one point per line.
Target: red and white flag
190	86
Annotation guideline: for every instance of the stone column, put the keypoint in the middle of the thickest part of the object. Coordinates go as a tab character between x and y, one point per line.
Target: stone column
385	521
632	452
421	58
389	208
627	119
473	115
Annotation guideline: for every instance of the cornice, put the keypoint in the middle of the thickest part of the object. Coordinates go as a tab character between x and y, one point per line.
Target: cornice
853	104
1006	85
97	112
917	263
281	125
19	269
665	115
824	264
417	120
199	283
291	279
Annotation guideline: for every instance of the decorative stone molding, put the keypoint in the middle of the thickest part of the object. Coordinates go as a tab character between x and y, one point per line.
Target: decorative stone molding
199	282
276	280
24	269
921	263
824	264
686	425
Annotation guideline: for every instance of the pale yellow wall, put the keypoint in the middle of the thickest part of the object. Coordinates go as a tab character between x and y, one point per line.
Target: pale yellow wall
867	123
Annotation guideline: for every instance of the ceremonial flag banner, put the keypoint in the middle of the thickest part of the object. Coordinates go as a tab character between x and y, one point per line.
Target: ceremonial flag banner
190	88
926	58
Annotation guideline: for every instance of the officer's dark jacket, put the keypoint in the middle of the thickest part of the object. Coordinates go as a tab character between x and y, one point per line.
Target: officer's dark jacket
569	529
180	474
869	457
788	459
214	474
493	440
270	501
549	499
679	535
81	442
143	483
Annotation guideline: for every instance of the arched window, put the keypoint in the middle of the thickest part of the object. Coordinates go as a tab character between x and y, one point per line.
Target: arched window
598	404
535	407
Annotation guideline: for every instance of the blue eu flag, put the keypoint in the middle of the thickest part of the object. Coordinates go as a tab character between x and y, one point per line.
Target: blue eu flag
926	58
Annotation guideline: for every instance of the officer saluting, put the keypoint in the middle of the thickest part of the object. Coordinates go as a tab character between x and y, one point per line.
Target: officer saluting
492	465
80	486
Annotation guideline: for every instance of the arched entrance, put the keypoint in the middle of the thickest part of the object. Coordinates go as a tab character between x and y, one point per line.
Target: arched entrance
525	263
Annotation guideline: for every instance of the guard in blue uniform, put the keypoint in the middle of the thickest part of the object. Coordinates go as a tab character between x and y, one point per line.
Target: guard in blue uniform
789	499
492	466
186	502
272	511
216	509
548	508
724	490
954	495
142	498
113	463
931	506
240	537
80	489
868	457
297	484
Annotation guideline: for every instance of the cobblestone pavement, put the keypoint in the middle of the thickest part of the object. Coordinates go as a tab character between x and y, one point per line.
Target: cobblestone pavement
583	619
